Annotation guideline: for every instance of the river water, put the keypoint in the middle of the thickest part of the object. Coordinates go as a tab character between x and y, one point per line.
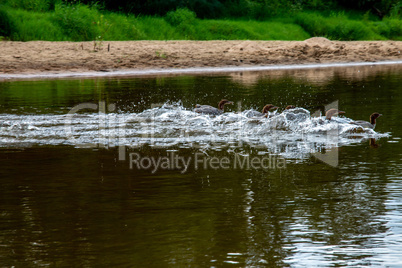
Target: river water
120	171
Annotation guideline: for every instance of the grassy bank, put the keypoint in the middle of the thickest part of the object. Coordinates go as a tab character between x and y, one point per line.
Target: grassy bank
82	23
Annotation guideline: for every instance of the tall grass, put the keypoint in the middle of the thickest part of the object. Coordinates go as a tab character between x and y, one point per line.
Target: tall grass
391	28
82	23
78	22
35	26
336	26
249	30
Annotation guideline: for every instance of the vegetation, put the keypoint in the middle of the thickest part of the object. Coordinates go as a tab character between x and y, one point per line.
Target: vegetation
53	20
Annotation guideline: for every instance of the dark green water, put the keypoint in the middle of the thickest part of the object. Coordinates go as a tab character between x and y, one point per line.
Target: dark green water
81	207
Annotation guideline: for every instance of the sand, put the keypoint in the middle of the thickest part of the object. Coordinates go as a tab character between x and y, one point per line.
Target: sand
57	57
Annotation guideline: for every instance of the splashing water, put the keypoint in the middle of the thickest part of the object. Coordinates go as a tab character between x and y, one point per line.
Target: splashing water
293	134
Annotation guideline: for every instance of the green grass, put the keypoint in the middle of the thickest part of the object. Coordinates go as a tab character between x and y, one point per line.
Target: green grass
82	23
248	30
337	27
35	26
391	28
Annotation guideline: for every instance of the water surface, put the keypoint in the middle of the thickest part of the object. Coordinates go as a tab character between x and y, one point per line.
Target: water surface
69	197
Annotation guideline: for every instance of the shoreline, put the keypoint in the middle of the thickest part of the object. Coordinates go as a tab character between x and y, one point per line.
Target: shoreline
43	59
191	71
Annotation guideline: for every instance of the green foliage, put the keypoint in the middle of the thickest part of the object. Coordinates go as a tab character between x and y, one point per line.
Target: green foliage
81	22
261	11
337	27
277	30
184	20
396	10
180	16
113	26
35	26
390	28
33	5
154	28
237	9
226	30
250	9
206	8
6	24
77	21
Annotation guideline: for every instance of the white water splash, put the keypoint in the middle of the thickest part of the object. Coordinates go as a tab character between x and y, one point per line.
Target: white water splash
293	134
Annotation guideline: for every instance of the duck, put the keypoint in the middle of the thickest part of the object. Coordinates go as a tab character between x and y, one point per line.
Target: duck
290	107
207	109
265	111
366	124
332	112
328	115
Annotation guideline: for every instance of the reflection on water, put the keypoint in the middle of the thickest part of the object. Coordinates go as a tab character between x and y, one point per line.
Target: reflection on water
65	205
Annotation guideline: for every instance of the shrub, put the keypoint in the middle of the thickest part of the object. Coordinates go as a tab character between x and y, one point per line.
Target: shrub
180	16
184	20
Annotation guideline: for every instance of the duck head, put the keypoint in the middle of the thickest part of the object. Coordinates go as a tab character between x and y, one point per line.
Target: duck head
332	112
223	102
268	108
290	107
373	117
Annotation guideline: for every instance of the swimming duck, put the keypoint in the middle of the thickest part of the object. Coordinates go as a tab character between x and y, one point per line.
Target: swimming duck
290	107
206	109
332	112
264	112
366	124
267	109
328	115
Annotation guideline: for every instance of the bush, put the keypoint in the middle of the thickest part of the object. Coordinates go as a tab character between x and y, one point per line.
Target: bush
184	20
6	24
180	16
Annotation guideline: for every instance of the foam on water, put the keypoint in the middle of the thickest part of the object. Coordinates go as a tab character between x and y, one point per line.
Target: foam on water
293	134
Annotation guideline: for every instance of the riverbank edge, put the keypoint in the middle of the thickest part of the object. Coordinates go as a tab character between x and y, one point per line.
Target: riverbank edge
186	71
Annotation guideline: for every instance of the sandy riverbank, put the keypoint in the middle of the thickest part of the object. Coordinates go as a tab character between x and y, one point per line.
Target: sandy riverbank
57	57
